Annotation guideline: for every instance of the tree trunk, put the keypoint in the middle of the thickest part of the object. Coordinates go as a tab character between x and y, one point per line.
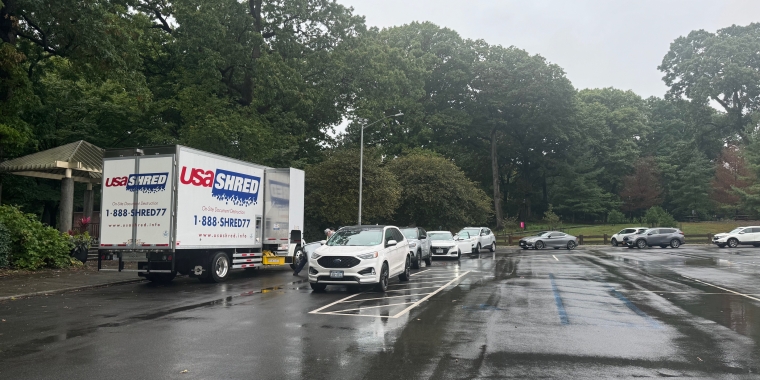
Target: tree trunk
495	173
8	21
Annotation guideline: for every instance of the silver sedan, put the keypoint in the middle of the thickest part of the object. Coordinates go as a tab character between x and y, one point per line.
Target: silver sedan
553	239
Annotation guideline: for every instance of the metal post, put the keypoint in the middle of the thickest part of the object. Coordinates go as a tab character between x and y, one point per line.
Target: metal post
361	169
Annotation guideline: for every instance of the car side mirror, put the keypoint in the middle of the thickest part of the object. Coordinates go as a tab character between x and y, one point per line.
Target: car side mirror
741	232
649	234
391	243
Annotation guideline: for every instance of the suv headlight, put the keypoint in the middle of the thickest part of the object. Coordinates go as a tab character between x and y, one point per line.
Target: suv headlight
367	256
412	244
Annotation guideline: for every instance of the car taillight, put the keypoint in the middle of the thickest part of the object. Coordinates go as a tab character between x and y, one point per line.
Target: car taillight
680	232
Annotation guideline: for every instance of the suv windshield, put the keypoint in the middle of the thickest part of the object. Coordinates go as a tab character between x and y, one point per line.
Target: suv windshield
471	231
441	236
356	237
737	230
410	233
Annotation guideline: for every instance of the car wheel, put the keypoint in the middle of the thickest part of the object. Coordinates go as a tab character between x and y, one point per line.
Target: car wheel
382	286
297	257
477	248
641	244
220	267
417	261
318	287
539	245
492	248
614	242
459	254
570	245
675	243
733	243
429	259
407	273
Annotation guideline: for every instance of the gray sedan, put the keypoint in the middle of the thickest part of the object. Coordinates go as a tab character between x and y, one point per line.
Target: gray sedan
553	239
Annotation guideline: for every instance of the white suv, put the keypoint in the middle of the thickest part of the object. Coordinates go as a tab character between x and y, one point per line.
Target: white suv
617	239
482	237
740	235
361	255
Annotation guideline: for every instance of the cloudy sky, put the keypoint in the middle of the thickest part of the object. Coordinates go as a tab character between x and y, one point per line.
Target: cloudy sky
599	43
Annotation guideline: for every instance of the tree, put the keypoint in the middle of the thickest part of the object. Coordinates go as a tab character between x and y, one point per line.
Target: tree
720	67
615	217
642	189
657	217
435	192
686	173
525	101
332	190
551	218
576	189
732	175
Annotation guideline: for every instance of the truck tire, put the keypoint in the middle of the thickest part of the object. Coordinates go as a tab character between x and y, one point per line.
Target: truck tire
219	268
297	256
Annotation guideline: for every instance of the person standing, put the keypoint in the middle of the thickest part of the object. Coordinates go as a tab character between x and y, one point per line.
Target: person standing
307	253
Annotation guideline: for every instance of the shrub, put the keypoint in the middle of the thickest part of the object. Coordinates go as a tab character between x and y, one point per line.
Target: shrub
551	218
5	246
33	244
615	217
657	217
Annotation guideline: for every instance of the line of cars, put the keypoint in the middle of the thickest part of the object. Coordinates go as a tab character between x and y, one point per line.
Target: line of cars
643	237
372	254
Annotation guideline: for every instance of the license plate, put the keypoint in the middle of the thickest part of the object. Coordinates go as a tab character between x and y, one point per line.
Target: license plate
336	274
270	260
438	251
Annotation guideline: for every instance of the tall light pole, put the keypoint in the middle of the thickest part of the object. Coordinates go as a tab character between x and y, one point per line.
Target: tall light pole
361	160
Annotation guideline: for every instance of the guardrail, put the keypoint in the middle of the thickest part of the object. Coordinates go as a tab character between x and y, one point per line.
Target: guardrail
603	239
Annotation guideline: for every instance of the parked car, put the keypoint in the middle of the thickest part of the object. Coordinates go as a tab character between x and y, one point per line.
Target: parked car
553	239
419	245
482	237
619	237
444	244
360	255
663	237
749	235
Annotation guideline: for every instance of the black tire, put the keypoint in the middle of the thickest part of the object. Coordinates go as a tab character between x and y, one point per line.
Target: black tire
733	242
297	255
675	243
571	245
614	242
429	259
219	267
539	245
477	249
492	247
382	286
318	287
641	243
459	254
406	275
417	261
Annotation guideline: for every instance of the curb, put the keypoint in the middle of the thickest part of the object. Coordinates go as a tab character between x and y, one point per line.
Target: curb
70	289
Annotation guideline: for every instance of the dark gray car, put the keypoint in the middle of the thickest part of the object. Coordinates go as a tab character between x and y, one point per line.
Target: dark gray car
663	237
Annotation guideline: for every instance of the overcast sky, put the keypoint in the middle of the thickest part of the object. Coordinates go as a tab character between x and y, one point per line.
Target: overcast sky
599	43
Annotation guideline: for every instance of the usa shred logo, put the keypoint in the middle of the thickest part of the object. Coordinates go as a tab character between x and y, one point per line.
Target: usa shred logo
231	187
144	183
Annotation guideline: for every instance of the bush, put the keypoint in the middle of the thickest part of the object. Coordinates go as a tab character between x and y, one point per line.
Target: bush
657	217
33	244
615	217
5	246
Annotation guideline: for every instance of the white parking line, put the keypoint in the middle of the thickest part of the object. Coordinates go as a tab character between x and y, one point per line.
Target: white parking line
338	301
428	296
371	307
716	286
406	290
422	271
382	298
419	283
555	257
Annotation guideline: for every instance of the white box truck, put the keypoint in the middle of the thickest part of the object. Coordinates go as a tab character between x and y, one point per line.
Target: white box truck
174	209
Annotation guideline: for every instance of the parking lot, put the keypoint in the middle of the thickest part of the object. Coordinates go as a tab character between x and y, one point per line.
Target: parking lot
592	312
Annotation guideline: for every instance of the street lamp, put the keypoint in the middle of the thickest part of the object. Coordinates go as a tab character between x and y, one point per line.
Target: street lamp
361	160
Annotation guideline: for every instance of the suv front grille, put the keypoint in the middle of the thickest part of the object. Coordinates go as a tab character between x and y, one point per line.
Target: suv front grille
338	261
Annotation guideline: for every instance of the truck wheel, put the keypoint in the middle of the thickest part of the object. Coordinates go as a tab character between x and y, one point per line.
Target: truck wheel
417	261
220	267
407	273
318	287
297	257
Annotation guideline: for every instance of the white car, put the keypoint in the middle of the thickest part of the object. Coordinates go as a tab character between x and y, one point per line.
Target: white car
361	255
749	235
482	237
444	244
419	246
617	239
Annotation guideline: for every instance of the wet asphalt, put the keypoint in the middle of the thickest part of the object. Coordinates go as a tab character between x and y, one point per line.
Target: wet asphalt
593	312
